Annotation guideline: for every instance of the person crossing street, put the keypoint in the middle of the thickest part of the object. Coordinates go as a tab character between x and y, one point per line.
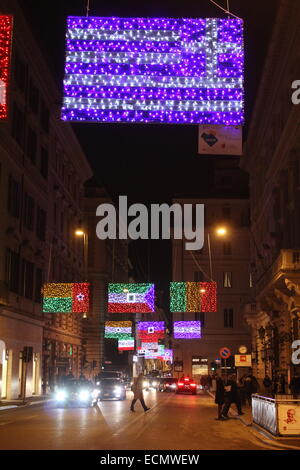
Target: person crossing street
137	389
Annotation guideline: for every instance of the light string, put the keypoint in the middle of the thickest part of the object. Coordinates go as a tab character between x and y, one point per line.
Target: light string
224	9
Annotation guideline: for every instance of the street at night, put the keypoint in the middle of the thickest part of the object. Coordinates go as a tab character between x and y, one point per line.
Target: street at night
174	422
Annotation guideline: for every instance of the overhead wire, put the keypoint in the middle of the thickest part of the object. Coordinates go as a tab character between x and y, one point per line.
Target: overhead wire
224	9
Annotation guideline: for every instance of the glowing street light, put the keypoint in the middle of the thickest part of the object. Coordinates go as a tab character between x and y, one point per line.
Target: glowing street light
221	231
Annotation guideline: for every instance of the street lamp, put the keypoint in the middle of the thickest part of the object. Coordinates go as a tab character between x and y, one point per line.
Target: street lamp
221	232
81	233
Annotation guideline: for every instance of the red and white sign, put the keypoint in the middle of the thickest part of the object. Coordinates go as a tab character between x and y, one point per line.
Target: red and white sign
242	360
225	353
220	140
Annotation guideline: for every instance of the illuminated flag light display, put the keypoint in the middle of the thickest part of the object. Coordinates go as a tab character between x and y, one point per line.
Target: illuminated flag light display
160	70
187	329
151	332
126	344
66	297
149	346
6	27
193	297
130	298
118	329
159	354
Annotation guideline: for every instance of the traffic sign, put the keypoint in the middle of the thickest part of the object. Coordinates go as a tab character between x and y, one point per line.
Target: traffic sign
225	353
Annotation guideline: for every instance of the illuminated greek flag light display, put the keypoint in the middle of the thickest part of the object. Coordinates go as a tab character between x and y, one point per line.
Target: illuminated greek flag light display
161	70
187	329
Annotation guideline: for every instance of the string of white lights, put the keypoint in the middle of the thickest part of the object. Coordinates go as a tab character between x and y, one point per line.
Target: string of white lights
198	265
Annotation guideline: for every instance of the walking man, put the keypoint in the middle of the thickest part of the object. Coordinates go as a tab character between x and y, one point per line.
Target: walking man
220	397
232	396
137	389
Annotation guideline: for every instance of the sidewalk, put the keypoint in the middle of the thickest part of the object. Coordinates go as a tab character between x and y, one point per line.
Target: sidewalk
34	400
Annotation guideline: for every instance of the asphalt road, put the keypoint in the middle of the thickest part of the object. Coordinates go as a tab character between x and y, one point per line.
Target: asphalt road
175	422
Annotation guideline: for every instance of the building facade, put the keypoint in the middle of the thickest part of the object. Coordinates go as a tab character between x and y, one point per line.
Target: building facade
224	260
272	159
43	171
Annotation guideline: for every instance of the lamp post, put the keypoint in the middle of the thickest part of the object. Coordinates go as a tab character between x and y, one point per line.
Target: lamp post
81	233
220	231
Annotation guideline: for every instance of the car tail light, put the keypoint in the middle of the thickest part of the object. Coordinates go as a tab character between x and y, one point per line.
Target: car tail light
186	380
193	385
180	383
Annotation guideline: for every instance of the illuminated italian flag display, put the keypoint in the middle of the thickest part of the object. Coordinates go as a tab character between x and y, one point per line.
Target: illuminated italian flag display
70	297
193	297
130	298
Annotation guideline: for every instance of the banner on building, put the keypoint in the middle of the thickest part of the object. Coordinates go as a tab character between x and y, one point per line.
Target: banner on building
71	297
154	70
220	140
130	298
6	29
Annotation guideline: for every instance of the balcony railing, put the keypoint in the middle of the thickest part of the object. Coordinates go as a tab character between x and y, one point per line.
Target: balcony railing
288	261
4	293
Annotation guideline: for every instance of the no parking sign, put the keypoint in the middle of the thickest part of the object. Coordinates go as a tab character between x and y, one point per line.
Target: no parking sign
225	352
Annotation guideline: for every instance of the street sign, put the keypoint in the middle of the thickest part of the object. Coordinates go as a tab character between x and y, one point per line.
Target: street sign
225	353
242	360
243	349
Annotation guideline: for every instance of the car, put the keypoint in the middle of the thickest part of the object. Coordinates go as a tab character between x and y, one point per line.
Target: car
151	383
74	392
108	374
111	387
168	384
186	385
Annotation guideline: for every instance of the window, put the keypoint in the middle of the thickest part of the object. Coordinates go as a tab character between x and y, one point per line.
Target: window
31	144
200	316
250	280
45	117
226	213
14	197
198	276
20	73
296	256
44	162
13	270
38	285
227	279
41	224
27	272
28	214
228	318
33	97
18	124
227	248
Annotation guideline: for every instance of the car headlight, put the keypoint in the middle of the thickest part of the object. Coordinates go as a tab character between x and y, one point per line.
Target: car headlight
98	383
145	383
61	395
84	395
118	389
173	386
95	393
154	384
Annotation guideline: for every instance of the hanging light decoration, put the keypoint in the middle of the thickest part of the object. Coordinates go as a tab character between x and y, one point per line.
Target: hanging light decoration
187	329
6	28
118	329
164	70
151	331
126	344
193	297
73	297
130	298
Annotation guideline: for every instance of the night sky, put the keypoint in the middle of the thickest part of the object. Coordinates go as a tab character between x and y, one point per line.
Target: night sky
150	162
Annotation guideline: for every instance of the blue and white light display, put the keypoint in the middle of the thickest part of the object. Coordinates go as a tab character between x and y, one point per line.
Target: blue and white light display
159	70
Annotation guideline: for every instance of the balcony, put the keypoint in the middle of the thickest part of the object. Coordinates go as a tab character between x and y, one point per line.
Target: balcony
287	263
4	293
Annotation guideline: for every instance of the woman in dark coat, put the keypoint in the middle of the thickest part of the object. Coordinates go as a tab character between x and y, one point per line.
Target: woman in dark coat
219	398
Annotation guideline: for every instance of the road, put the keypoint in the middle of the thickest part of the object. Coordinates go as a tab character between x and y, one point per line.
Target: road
175	422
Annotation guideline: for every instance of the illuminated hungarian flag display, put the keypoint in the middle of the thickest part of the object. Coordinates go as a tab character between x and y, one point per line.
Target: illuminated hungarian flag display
6	27
126	344
66	297
118	329
159	70
151	332
187	329
130	298
193	297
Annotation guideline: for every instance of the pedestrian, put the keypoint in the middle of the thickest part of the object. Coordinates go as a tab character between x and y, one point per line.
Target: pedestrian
267	383
209	382
232	396
137	389
220	397
295	386
250	386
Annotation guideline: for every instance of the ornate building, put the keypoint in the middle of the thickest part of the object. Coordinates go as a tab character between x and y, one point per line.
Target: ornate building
272	159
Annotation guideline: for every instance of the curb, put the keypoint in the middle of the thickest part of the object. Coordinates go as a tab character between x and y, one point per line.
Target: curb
23	405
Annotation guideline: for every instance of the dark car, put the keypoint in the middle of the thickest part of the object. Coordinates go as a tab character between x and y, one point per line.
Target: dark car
168	384
74	392
186	385
111	388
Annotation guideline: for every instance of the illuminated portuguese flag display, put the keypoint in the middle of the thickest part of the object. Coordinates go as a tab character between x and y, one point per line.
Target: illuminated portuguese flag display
193	297
130	298
70	297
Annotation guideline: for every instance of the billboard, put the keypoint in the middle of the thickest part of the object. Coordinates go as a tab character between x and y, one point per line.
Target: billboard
130	298
72	297
193	297
154	70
